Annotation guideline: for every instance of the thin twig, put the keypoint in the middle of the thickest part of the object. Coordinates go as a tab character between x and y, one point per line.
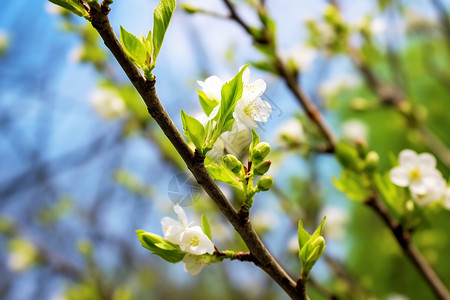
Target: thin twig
193	161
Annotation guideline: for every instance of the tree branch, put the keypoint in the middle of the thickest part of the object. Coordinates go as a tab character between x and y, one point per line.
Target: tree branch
404	240
193	161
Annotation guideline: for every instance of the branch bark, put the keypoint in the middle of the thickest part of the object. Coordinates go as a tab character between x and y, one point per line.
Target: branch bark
404	240
193	161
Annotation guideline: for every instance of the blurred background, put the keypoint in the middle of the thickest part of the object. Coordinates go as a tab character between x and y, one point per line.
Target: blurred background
82	165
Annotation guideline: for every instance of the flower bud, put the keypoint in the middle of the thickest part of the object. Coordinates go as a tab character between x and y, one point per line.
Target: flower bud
372	159
232	163
261	151
265	183
262	168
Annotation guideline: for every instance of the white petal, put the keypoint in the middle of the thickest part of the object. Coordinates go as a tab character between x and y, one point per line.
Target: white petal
174	234
400	176
418	187
167	222
240	116
181	214
254	89
193	264
246	76
427	161
408	158
194	241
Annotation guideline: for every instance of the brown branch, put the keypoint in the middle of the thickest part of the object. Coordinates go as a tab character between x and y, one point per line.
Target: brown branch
290	80
193	161
404	240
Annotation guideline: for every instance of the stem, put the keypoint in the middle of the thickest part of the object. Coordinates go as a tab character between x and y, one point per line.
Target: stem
194	162
404	240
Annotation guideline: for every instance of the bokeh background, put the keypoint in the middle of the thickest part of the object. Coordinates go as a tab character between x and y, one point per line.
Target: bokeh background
77	180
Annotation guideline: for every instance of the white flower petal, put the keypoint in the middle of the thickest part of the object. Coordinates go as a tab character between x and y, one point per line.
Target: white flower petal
193	264
418	187
408	158
181	214
174	234
400	176
167	222
194	241
426	161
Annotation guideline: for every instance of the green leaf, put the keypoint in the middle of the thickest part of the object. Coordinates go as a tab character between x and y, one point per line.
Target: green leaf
318	232
206	103
231	92
160	246
72	5
355	186
193	129
394	196
161	19
133	47
265	66
222	174
206	227
255	140
303	235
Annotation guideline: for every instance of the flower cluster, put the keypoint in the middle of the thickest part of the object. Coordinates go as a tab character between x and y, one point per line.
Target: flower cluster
190	238
419	173
249	110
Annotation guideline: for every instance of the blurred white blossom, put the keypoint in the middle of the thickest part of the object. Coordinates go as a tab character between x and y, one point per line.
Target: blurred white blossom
53	9
300	55
264	220
335	224
107	104
332	87
354	131
291	133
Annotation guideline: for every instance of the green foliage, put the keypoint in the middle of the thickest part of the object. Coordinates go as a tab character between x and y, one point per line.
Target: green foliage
74	6
160	246
134	48
194	130
311	247
205	226
206	103
353	185
223	174
394	196
161	19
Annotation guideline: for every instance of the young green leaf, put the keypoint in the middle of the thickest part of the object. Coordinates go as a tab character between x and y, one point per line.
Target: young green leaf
193	130
222	174
160	246
353	185
318	232
206	103
206	228
303	235
72	5
133	47
231	92
161	19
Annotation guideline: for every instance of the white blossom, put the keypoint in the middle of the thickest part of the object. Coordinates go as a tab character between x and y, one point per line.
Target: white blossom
332	87
212	87
194	264
194	241
18	262
301	55
237	140
336	220
264	220
378	26
293	246
107	104
251	108
419	173
291	132
190	238
355	131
